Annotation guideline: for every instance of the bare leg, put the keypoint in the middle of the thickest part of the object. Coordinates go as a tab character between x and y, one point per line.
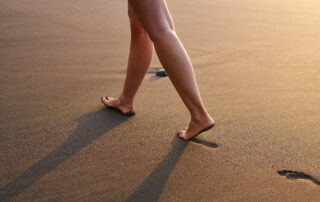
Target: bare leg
156	20
140	56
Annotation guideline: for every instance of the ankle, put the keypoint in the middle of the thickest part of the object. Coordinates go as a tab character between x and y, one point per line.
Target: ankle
200	117
125	102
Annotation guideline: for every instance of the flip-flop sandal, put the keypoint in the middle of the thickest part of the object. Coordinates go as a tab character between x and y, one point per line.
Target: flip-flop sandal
129	113
198	133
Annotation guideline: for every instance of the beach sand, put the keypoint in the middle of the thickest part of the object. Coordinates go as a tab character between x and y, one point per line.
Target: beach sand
257	65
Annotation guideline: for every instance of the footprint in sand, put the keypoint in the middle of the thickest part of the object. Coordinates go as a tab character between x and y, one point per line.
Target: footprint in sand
294	175
205	143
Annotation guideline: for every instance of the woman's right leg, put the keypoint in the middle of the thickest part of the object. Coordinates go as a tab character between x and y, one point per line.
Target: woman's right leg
156	20
140	56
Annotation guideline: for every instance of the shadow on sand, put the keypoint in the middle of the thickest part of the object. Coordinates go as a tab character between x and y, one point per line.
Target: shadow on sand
154	78
151	187
90	127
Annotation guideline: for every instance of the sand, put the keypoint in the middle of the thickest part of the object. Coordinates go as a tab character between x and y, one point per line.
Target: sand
257	67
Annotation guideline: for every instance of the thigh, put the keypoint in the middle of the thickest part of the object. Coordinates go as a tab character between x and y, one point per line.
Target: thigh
152	14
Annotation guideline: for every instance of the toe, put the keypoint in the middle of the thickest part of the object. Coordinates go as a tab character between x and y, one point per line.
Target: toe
104	101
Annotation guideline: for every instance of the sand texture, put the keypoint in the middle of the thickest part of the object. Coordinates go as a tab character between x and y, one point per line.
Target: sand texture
257	64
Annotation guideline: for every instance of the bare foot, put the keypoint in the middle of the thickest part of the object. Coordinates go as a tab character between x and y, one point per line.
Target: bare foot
195	128
117	104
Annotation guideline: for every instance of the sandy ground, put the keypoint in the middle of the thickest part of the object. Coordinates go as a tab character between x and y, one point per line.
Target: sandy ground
258	69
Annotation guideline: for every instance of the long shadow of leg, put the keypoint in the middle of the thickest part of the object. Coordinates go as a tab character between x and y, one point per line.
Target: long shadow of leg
90	127
151	188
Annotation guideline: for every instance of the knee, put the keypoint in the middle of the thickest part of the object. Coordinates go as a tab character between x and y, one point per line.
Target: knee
158	33
137	30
